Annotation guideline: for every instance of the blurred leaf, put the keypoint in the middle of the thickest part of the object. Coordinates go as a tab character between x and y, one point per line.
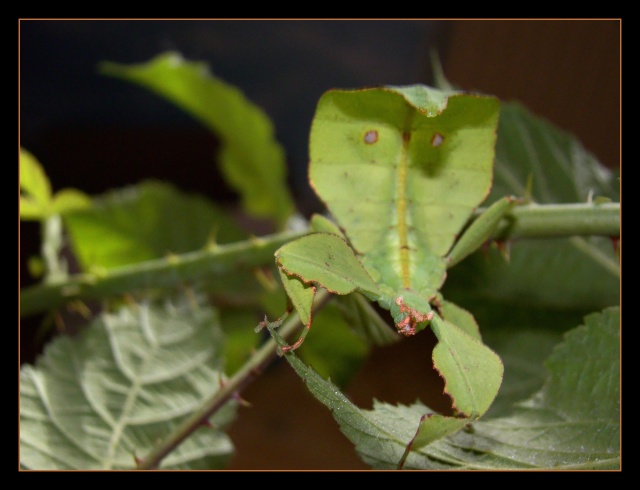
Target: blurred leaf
144	222
100	400
252	160
240	338
572	422
36	199
66	200
35	188
572	273
36	266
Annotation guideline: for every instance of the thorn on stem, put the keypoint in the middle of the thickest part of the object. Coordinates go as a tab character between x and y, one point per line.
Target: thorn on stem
485	249
77	306
615	241
236	396
58	321
208	424
130	300
504	247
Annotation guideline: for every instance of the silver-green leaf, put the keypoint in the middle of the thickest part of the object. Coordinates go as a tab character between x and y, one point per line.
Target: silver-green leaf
99	401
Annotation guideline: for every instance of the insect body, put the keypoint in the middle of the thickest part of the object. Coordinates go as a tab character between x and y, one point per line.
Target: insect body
401	169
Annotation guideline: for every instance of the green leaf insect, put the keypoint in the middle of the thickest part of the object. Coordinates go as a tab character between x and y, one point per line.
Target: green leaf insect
401	170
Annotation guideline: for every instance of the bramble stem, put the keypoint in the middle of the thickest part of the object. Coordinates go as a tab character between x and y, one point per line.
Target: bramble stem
234	386
217	263
561	220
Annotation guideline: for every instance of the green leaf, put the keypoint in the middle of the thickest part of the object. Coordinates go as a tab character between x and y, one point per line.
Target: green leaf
67	200
381	436
252	160
586	366
570	273
102	399
570	423
35	188
144	222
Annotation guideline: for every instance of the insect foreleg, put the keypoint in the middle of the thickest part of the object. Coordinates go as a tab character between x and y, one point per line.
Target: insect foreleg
480	230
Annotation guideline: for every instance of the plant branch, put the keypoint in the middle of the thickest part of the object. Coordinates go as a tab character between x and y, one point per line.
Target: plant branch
212	263
216	263
560	220
231	388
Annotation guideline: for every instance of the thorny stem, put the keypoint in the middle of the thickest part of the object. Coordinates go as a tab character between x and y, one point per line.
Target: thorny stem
560	220
528	221
213	263
231	388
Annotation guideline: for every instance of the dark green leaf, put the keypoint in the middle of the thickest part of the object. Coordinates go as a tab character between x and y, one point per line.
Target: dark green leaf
572	422
332	347
144	222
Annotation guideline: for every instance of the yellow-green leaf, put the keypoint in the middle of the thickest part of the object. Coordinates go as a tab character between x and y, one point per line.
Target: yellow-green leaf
35	188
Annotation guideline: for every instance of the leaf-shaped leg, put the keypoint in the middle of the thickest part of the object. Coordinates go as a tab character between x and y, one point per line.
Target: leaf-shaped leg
471	370
301	298
319	259
480	230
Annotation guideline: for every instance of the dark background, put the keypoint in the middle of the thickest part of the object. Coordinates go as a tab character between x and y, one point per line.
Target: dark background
95	133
